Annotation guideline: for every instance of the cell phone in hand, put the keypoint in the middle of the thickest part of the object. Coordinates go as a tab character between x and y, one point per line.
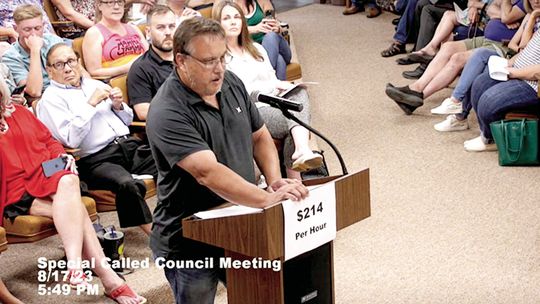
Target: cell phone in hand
18	90
52	166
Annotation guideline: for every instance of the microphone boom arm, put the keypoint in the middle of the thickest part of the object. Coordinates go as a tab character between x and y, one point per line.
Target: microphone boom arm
288	114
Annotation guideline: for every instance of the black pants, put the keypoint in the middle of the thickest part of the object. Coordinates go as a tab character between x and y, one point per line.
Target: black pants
430	16
111	169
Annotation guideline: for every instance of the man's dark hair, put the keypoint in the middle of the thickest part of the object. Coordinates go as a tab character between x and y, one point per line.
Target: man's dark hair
191	28
53	49
157	10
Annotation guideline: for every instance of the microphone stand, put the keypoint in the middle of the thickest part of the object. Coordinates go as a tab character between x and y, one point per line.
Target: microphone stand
288	114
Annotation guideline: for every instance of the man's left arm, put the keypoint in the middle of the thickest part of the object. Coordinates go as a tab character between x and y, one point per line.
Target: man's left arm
266	156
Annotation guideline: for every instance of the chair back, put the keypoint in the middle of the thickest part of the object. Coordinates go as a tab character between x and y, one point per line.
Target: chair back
121	83
77	47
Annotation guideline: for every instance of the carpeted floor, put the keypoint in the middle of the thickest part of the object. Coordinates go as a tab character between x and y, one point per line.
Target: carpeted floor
447	226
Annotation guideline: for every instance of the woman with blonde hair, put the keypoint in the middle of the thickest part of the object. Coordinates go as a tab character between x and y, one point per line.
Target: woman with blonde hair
111	46
26	144
249	61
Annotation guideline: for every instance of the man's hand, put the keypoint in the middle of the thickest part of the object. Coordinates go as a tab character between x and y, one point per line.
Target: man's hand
18	99
116	98
286	188
34	43
99	95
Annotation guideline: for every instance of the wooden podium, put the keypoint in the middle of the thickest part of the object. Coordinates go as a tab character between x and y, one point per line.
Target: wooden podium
261	235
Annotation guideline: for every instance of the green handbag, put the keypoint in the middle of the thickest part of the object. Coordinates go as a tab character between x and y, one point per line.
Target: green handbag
517	141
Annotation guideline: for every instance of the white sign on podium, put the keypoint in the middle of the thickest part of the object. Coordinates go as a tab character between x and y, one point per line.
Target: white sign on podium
310	223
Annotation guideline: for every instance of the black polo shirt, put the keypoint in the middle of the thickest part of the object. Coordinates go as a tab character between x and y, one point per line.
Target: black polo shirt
146	75
180	123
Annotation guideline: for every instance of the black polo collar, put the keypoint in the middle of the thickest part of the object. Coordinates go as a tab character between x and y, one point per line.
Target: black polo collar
155	57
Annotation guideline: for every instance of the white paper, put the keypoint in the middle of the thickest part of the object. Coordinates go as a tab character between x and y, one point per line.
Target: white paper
462	16
498	68
227	211
311	222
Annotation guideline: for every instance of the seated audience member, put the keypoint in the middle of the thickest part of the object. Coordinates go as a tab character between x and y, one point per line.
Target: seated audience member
181	11
449	21
150	70
25	143
80	12
492	99
87	114
458	105
449	61
26	57
357	6
265	30
404	29
110	46
249	62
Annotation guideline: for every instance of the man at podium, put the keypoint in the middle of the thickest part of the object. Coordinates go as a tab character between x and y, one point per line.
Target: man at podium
205	133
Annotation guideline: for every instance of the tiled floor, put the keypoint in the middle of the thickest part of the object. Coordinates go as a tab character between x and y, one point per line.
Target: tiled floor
285	5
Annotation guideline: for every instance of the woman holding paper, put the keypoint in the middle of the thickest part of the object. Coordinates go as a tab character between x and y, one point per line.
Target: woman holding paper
249	61
492	99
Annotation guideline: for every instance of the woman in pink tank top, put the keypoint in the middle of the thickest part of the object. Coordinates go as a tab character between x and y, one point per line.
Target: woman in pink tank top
111	46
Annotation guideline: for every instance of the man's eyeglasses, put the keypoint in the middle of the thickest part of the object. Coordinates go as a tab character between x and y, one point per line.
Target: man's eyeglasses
113	3
60	65
212	63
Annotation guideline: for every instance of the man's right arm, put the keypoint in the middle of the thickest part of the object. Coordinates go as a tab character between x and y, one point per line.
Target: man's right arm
139	90
205	168
34	81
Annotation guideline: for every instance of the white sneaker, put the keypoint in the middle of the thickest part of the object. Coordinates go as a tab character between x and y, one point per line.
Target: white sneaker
451	123
447	107
477	145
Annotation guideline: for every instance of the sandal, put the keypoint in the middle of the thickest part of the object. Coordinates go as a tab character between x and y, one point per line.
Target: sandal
395	49
124	291
307	161
78	280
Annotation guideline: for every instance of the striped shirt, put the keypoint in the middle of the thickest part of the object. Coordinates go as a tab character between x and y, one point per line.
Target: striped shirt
530	55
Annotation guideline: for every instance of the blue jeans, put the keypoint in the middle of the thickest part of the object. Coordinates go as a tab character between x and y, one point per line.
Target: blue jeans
406	22
475	66
279	53
492	99
194	286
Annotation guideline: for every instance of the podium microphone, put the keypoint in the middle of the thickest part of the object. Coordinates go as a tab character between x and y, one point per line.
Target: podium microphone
277	102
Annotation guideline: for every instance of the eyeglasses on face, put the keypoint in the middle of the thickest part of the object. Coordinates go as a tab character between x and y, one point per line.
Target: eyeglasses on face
60	65
211	63
113	3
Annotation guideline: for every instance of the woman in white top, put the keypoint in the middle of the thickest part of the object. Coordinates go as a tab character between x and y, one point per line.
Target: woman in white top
249	61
